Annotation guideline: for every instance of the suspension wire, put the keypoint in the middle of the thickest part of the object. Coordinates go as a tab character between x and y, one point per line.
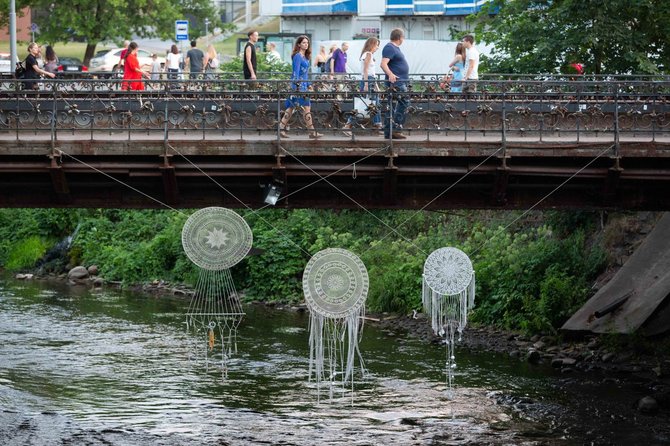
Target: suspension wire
441	193
355	202
120	182
327	176
541	200
240	201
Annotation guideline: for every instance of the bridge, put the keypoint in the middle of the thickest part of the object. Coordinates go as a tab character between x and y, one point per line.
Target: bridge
597	143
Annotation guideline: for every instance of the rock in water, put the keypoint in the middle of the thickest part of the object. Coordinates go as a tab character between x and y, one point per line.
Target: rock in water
78	272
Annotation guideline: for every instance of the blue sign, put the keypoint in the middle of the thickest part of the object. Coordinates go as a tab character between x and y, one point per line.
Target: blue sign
181	30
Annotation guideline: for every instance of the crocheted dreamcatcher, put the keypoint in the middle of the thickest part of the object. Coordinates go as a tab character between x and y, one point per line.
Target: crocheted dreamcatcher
215	239
335	283
448	295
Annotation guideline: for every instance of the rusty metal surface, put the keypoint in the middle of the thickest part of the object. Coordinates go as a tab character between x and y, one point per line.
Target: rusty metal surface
514	141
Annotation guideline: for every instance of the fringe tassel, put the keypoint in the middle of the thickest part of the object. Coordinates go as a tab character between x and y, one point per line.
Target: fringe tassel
333	349
215	311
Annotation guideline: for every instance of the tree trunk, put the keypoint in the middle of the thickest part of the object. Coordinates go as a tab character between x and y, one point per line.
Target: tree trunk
90	52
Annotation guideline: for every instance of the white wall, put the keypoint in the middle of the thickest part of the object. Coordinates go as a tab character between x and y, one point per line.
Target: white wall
423	56
270	7
371	7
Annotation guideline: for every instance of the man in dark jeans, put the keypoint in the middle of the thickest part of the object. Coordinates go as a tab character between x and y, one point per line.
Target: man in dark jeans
396	68
194	59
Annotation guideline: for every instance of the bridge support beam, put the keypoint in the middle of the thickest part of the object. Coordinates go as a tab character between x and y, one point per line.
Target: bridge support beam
390	185
58	180
500	182
612	182
170	186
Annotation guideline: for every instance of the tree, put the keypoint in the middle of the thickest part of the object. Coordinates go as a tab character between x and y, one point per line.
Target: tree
615	36
94	21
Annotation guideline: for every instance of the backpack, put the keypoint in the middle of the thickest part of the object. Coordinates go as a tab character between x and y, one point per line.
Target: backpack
326	67
214	63
20	71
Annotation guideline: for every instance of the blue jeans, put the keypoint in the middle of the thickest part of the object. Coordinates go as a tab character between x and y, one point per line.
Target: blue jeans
397	106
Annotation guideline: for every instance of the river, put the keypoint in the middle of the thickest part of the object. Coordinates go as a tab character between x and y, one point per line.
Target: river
104	367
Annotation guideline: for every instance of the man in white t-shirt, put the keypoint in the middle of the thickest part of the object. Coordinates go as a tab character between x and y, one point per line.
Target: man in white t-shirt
471	65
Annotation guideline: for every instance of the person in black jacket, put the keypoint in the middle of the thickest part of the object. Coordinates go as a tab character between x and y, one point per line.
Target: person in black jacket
33	70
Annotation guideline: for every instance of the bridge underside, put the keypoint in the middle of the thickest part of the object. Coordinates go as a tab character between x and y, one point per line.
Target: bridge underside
335	172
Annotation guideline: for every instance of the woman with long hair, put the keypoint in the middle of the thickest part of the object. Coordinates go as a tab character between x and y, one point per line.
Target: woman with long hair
211	62
320	60
172	62
300	56
132	74
50	60
368	83
457	66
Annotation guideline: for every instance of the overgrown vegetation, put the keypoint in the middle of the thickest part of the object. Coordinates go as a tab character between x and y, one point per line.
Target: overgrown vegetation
530	276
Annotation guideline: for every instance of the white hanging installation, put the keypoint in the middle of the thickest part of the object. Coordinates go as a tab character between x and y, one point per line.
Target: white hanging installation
215	239
335	283
448	295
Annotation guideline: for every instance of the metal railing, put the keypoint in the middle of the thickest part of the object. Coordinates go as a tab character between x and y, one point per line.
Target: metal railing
216	107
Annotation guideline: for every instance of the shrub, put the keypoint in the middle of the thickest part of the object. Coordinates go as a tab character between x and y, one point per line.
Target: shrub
25	253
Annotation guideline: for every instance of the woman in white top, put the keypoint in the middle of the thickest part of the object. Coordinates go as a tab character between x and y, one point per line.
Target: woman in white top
368	81
172	63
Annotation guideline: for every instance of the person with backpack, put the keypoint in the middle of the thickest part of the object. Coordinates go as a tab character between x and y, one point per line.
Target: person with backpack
32	68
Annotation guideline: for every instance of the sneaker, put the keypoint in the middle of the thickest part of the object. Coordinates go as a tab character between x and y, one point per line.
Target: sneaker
283	134
398	135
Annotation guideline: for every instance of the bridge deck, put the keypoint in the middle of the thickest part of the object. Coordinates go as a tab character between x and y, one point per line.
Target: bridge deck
600	146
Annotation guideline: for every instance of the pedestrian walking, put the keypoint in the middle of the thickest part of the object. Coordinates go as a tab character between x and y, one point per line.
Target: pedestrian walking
368	84
250	64
300	57
471	65
194	58
33	70
172	61
320	60
272	53
211	62
50	60
457	69
132	74
396	68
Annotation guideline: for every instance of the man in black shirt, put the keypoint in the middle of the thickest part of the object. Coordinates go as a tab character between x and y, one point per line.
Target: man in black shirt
33	70
250	56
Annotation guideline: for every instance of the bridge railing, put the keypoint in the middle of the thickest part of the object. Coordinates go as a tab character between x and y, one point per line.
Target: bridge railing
492	109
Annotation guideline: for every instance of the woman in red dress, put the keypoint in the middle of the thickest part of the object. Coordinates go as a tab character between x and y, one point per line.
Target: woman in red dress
132	75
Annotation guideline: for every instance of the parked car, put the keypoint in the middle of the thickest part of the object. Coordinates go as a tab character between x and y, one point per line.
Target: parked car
5	63
71	65
107	61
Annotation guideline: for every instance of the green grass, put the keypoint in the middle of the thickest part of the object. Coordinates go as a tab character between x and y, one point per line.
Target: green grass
70	49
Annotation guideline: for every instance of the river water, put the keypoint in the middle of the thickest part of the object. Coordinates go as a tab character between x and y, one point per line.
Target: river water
105	367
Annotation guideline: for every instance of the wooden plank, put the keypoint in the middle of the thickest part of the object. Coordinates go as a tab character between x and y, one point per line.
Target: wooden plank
646	275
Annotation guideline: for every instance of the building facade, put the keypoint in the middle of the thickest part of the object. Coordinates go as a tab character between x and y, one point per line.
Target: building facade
359	19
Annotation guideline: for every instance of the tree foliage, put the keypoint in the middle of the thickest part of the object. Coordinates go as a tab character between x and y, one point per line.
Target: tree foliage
615	36
94	21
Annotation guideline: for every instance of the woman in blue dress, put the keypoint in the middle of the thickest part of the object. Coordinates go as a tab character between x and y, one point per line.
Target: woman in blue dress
457	67
300	57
